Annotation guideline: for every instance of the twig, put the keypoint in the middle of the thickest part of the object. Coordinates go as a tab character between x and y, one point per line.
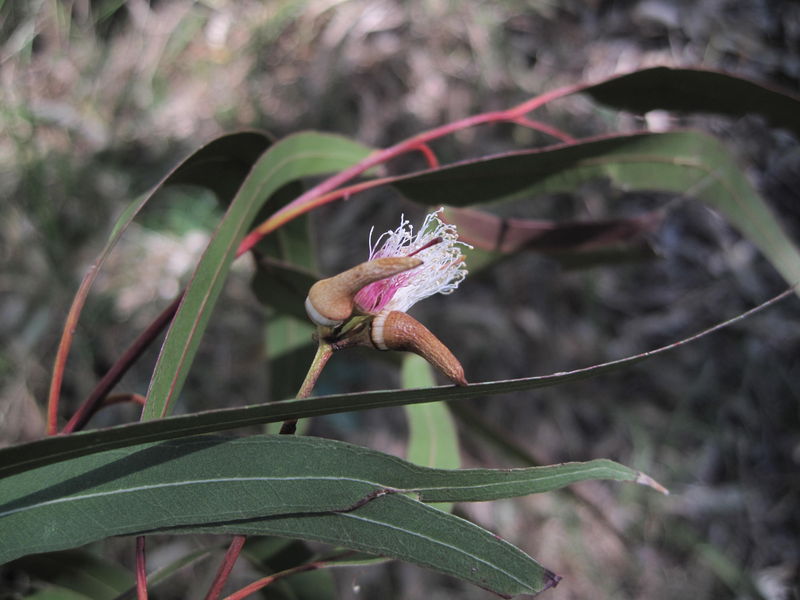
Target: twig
121	366
304	202
141	569
225	568
265	581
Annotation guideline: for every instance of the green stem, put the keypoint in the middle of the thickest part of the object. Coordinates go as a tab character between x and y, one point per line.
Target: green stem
324	353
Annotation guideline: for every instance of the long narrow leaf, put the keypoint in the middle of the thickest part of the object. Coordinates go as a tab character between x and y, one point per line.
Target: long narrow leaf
294	157
231	156
698	90
225	482
55	449
398	527
684	162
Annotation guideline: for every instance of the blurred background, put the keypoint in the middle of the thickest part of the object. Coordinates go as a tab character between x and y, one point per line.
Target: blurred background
100	98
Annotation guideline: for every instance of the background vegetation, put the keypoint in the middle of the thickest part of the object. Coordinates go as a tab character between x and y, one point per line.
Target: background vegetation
100	99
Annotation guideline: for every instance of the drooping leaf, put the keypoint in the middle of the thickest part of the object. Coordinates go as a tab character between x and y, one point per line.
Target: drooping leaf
398	527
324	488
226	161
222	164
684	162
698	90
574	244
491	232
51	450
296	156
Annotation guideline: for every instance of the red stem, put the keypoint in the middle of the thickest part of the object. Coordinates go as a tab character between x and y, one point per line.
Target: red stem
545	128
120	367
320	194
141	569
265	581
60	363
225	568
430	157
303	203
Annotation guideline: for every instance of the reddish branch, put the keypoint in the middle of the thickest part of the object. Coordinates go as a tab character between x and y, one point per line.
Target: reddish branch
326	191
225	568
120	367
265	581
141	570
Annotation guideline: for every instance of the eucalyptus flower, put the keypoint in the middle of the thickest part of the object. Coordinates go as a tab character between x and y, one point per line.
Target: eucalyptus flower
367	305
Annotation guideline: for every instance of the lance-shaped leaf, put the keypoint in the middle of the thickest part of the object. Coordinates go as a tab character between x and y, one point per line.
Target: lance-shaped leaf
223	484
683	162
32	455
398	527
573	243
491	232
698	90
296	156
220	165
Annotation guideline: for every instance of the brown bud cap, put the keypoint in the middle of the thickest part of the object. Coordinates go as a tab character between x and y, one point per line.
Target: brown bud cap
330	301
395	330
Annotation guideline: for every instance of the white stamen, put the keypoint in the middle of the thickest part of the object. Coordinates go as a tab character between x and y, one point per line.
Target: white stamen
443	267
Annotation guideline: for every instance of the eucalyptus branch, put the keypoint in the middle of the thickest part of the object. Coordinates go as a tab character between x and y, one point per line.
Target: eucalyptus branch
141	569
326	191
225	568
269	579
305	202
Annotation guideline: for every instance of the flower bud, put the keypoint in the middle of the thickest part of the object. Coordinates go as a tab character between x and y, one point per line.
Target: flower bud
395	330
330	301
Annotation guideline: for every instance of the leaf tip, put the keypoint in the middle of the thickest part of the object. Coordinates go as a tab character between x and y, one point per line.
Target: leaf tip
553	579
643	479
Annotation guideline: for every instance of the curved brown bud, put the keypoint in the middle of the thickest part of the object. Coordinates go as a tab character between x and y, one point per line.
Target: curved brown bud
330	301
395	330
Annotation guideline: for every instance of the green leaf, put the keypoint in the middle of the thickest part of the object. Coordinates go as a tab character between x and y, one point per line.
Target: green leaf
227	157
698	90
317	489
398	527
432	437
296	156
684	162
222	164
54	449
